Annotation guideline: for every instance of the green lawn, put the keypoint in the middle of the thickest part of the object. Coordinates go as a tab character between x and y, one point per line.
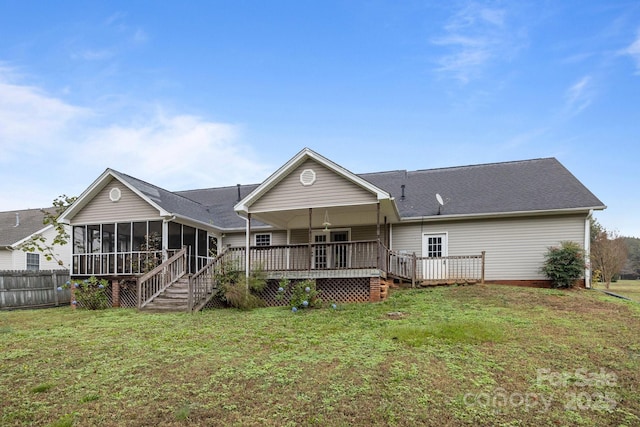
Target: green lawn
474	355
627	288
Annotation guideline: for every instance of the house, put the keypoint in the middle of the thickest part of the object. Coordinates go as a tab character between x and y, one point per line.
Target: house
312	218
16	227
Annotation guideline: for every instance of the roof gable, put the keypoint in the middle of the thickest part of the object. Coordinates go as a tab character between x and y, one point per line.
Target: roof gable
287	175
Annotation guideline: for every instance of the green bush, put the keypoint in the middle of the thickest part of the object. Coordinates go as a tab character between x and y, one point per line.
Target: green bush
238	291
565	264
90	294
303	293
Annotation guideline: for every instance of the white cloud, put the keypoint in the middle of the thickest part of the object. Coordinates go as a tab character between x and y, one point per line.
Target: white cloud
474	36
579	95
49	147
179	151
634	52
29	117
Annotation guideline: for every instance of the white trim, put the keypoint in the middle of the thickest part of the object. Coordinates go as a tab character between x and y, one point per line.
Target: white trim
115	194
21	241
255	238
440	218
98	185
307	177
587	250
445	252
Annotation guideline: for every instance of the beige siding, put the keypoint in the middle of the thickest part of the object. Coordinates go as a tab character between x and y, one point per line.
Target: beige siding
101	209
238	239
514	247
368	232
329	189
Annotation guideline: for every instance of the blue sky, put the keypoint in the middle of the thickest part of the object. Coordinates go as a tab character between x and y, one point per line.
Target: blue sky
200	94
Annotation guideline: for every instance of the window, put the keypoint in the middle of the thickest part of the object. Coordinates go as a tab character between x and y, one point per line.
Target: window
263	239
33	262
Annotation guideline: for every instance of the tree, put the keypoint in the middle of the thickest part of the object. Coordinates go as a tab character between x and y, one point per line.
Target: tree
608	253
38	242
632	267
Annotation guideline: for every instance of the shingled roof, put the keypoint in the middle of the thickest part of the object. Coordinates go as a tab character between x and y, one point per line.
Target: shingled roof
18	225
537	185
495	188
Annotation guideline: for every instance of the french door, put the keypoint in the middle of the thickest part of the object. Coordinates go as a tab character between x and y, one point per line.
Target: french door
332	256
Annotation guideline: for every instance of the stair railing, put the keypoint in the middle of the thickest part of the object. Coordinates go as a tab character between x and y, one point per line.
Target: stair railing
202	283
151	284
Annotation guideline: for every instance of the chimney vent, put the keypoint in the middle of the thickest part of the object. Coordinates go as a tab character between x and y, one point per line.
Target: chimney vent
239	197
17	219
402	188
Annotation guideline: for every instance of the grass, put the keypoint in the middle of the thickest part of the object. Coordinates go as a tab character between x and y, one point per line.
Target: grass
627	288
473	355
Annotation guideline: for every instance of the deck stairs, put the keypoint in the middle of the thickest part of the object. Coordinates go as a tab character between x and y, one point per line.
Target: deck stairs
173	299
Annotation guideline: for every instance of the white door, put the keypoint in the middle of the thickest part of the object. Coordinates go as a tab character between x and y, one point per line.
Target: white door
330	256
434	248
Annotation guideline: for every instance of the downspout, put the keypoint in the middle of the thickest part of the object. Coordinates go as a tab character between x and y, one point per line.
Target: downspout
248	247
587	250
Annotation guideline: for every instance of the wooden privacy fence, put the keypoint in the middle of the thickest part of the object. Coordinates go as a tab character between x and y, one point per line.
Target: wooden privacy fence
31	289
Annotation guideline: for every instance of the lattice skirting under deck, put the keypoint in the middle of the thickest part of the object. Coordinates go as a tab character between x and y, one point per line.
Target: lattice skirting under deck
352	289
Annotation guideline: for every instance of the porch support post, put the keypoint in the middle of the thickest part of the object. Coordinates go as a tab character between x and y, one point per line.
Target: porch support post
310	233
247	254
165	239
378	233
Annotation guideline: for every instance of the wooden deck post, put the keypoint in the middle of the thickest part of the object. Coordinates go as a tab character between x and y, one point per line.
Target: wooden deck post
247	255
378	234
482	269
310	234
414	269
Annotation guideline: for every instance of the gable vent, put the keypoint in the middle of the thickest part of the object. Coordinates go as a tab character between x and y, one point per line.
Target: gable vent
115	194
308	177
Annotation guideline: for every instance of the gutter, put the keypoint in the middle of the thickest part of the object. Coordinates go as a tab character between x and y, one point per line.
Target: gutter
437	218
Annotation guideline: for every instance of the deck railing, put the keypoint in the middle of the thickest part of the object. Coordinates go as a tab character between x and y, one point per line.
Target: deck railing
202	283
277	259
435	269
317	256
450	268
160	278
118	263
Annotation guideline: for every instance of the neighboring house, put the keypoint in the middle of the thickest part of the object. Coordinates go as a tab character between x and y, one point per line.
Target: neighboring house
351	232
16	227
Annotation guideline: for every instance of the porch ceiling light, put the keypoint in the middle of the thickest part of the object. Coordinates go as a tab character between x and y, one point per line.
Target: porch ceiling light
326	222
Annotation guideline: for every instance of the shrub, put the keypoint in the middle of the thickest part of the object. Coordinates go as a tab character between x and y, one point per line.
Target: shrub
90	294
564	265
303	293
238	291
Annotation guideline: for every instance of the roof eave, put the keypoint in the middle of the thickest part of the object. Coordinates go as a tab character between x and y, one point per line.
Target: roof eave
243	205
501	214
96	187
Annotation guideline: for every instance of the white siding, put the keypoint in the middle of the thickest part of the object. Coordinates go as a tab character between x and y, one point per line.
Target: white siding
6	260
17	259
101	209
514	247
329	189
